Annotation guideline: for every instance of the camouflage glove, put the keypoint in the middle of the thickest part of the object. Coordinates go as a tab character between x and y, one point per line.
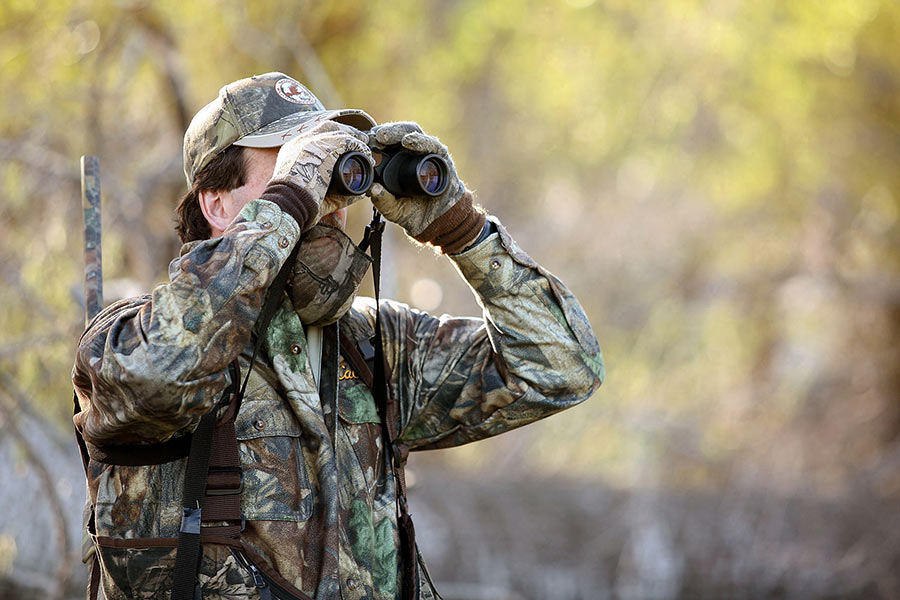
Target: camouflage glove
449	221
304	167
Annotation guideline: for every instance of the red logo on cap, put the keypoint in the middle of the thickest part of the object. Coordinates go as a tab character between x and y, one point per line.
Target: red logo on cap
292	91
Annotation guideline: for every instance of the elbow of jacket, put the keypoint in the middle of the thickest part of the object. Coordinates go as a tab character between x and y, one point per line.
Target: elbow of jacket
159	387
175	396
589	379
574	382
574	389
145	408
585	389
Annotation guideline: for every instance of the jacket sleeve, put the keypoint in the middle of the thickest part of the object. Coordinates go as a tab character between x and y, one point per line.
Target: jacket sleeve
459	380
151	366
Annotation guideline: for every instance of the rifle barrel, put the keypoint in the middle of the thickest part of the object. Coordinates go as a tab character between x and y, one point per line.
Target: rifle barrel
93	260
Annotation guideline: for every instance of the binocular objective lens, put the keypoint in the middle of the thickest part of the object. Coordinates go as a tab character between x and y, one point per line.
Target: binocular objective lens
430	175
354	174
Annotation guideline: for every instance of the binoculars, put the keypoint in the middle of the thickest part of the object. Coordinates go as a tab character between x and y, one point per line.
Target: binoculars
400	171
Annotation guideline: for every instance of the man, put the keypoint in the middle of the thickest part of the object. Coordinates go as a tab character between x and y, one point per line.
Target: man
319	491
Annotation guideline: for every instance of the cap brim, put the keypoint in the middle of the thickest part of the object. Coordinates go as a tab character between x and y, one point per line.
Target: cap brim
278	132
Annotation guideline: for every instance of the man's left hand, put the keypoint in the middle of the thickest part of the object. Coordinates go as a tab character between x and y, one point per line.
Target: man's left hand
449	221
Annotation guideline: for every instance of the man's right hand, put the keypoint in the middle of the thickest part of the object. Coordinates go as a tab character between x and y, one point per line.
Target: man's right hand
308	160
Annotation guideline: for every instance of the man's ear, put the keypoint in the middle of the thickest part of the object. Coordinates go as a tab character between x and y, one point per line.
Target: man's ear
214	204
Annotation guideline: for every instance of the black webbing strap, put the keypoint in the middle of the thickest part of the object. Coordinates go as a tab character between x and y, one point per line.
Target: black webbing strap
82	445
133	455
273	300
390	416
187	555
93	587
328	376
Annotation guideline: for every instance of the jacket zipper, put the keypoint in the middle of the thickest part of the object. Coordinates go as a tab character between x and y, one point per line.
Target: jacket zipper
264	592
266	586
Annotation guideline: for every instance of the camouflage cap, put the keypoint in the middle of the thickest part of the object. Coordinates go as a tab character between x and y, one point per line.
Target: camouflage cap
262	111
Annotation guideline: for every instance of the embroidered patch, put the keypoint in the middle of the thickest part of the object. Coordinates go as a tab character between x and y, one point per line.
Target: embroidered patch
292	91
347	373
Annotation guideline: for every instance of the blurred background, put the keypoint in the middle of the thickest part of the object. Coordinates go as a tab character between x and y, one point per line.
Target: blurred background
716	180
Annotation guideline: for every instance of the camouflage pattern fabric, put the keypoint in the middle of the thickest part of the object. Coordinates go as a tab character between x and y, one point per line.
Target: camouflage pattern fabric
146	574
326	275
320	503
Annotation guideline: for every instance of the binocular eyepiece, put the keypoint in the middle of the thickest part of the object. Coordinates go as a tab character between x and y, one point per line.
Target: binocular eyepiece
400	171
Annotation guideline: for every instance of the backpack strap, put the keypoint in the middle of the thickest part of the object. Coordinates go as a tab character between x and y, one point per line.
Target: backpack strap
133	455
187	555
199	467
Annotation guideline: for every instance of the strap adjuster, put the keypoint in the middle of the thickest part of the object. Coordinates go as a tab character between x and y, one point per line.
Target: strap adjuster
222	489
190	521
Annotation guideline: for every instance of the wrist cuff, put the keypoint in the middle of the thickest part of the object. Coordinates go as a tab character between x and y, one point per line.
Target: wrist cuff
486	231
293	199
456	228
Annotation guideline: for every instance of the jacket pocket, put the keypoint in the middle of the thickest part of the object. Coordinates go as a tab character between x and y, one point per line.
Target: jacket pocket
145	573
361	429
276	480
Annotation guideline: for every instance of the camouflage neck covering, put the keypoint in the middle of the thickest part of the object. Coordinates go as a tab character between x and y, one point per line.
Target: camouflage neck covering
326	275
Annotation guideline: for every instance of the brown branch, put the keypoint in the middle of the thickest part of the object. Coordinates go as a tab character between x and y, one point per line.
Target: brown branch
64	569
28	342
25	404
169	60
295	43
39	158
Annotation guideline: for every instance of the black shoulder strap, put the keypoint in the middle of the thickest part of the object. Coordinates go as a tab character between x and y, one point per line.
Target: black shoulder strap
390	413
187	555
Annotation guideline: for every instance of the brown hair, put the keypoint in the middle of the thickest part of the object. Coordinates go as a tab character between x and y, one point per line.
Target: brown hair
226	171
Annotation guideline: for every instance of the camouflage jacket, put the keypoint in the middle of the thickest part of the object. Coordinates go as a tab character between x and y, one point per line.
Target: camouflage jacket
319	501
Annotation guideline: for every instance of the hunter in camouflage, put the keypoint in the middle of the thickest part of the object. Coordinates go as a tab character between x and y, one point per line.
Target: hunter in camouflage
319	495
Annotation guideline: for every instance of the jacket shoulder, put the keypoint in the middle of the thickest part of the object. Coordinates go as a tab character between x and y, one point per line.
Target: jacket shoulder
119	308
359	322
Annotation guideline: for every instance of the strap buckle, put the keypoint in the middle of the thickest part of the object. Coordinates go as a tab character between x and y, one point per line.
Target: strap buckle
401	452
368	352
374	228
190	521
222	488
